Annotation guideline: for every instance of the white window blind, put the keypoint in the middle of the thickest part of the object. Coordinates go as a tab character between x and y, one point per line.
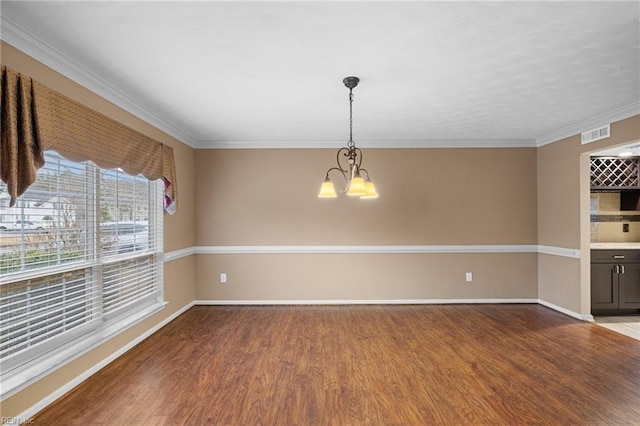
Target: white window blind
81	249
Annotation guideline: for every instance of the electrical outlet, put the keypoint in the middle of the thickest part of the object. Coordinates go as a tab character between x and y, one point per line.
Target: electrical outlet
469	277
223	278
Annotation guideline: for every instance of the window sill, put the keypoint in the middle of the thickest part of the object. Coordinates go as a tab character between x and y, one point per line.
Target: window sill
17	380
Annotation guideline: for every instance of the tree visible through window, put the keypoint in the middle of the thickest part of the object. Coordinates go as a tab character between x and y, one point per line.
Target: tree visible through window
81	247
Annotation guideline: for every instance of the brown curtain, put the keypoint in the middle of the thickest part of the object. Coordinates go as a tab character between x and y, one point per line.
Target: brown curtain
36	118
20	151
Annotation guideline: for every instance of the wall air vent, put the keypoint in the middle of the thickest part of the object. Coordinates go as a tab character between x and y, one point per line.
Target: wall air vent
596	134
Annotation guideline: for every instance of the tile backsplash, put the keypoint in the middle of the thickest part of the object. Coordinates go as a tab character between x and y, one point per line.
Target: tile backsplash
607	220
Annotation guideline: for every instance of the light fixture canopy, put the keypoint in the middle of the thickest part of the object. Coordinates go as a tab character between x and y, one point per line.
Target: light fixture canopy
358	182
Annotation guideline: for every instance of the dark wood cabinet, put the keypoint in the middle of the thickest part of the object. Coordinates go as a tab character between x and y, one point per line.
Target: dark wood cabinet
615	281
629	286
604	286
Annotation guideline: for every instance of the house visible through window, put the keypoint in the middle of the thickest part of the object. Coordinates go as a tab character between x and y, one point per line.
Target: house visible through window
80	259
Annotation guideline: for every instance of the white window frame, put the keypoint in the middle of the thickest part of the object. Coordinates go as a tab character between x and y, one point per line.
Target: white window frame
35	363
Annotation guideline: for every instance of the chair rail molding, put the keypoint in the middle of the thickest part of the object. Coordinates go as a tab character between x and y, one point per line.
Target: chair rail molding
378	249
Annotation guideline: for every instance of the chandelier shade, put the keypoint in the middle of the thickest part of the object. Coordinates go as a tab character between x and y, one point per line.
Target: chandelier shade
371	190
327	190
357	188
349	161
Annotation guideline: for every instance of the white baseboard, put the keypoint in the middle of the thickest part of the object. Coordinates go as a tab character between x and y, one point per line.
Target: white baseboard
25	416
565	311
394	302
362	302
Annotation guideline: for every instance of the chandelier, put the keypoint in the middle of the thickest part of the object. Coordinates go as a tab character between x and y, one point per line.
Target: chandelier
349	160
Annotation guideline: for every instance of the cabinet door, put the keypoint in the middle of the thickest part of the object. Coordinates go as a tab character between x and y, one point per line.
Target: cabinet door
604	286
629	286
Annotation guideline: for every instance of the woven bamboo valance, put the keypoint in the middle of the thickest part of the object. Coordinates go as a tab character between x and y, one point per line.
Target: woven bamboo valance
36	119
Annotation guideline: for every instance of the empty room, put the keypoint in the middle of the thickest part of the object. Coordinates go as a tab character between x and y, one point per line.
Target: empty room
313	213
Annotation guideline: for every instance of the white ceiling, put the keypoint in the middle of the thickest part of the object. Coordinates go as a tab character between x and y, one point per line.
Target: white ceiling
270	73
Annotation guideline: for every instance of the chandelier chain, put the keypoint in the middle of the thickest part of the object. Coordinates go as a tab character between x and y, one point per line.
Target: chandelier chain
351	143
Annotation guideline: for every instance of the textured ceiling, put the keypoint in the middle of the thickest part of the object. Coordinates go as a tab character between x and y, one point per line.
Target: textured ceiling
270	73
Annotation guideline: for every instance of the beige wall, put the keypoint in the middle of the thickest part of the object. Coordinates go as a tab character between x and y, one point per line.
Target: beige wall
371	277
427	197
563	214
179	233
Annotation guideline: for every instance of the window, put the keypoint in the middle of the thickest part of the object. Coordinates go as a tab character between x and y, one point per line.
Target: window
80	259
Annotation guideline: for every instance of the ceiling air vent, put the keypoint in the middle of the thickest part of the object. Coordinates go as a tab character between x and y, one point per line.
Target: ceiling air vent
596	134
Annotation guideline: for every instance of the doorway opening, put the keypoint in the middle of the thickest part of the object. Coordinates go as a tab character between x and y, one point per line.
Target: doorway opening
611	236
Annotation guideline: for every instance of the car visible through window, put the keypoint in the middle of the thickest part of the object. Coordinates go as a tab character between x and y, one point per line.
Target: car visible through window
25	224
123	237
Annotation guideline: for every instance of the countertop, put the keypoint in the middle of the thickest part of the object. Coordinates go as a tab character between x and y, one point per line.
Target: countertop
615	246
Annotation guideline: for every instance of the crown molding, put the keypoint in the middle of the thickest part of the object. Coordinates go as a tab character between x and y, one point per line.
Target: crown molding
15	35
601	120
436	143
215	144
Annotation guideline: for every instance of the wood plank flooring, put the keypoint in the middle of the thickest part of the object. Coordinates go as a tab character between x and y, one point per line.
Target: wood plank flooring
375	365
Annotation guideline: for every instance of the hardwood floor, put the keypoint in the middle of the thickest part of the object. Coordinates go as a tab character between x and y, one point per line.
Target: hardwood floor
335	365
